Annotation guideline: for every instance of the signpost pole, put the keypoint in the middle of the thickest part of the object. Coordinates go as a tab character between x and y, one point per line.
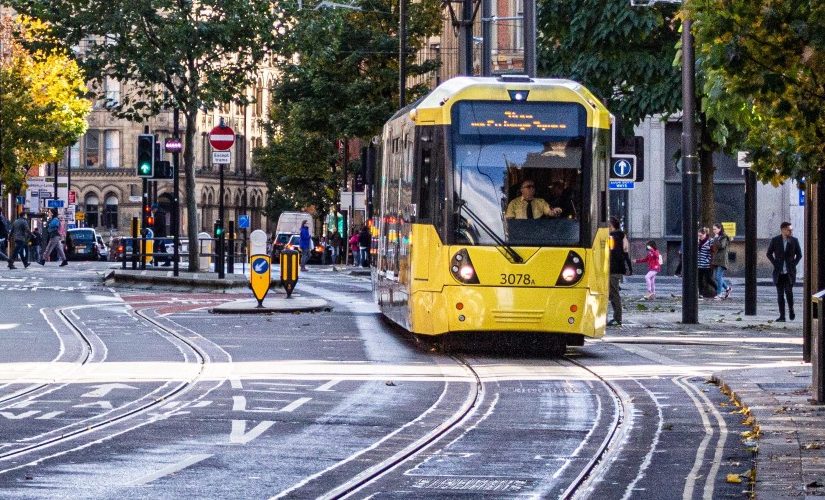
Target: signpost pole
176	195
690	293
221	270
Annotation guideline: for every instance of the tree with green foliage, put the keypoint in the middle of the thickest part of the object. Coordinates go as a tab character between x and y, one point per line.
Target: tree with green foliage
43	107
339	80
766	65
184	54
630	58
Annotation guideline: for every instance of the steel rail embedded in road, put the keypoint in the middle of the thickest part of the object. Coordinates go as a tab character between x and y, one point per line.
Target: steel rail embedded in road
85	355
378	470
84	428
596	459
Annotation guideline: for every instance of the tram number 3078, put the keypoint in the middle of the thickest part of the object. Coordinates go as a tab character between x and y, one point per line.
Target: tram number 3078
516	279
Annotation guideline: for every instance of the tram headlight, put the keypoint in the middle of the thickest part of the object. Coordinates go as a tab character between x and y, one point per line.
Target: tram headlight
572	271
461	267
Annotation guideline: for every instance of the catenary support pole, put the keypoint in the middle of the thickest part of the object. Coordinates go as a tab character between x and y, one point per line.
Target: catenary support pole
690	297
529	37
750	242
176	195
402	53
486	37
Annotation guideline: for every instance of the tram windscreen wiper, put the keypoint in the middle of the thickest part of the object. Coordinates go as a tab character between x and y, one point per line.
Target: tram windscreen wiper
500	242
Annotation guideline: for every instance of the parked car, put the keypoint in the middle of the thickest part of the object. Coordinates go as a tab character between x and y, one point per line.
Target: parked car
82	244
102	249
278	243
316	254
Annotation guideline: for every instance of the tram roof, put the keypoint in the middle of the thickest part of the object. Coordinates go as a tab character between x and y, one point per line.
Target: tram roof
435	107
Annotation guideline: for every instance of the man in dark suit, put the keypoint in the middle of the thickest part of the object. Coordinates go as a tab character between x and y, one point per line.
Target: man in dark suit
784	253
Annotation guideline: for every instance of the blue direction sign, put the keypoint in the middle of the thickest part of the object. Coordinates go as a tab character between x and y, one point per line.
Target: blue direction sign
54	204
801	197
243	222
21	200
622	185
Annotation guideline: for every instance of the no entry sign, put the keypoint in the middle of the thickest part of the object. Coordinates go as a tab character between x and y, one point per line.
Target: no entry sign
222	138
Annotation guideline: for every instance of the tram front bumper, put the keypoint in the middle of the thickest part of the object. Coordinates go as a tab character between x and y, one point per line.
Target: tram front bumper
552	310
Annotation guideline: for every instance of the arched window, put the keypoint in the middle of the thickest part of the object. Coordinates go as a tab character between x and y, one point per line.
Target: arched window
92	205
110	213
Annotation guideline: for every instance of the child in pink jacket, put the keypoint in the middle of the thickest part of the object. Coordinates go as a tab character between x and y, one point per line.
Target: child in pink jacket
653	259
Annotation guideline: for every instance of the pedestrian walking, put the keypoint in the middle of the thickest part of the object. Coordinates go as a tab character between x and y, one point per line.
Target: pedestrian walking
364	242
305	243
55	242
335	245
707	287
784	253
654	262
619	267
20	232
719	248
353	248
4	235
35	242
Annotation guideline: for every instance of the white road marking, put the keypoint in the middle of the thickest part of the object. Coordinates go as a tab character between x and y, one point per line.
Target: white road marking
690	482
102	404
235	383
104	389
239	434
328	386
628	492
169	469
295	405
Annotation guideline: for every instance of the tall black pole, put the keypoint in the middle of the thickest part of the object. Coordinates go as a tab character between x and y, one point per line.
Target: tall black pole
176	194
486	37
465	39
808	267
402	53
750	242
690	297
69	178
221	270
529	25
54	164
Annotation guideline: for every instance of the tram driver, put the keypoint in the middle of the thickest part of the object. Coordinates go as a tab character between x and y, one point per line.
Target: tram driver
527	206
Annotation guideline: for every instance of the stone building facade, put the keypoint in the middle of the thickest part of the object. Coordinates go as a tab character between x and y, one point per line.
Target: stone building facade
108	190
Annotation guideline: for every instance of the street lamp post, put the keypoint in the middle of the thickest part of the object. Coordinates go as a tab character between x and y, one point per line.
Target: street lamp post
690	297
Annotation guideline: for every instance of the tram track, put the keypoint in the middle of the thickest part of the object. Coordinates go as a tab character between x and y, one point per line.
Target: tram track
91	425
85	356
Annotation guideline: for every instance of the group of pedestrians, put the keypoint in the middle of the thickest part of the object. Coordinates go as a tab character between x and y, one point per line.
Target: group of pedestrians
27	244
713	260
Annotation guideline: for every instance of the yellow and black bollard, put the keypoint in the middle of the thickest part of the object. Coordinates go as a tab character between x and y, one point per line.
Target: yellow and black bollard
290	263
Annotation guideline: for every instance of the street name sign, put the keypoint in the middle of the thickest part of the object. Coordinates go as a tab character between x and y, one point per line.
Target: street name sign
617	185
55	204
222	138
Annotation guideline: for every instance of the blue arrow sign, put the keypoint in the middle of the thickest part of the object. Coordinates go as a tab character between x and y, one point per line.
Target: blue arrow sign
622	168
243	222
260	266
21	200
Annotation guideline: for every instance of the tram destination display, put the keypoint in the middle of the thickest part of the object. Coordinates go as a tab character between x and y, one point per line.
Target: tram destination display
556	119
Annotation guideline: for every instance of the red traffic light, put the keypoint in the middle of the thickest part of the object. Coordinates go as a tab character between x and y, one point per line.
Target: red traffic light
150	221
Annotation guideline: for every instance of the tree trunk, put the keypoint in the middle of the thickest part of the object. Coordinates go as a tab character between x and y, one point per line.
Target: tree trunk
189	188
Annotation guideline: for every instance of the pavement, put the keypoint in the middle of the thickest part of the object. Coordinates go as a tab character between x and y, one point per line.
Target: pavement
788	429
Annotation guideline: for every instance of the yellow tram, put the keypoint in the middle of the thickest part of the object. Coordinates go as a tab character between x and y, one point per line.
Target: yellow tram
462	244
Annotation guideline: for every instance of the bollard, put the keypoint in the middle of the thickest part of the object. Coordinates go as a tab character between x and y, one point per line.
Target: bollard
818	347
230	257
290	263
135	229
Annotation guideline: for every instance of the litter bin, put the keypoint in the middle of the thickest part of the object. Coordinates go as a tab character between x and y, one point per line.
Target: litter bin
818	346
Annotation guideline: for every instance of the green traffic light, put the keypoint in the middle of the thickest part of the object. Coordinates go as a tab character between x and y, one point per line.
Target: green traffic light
145	169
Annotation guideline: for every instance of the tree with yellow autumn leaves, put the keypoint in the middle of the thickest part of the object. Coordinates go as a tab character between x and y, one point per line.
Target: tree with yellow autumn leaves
43	104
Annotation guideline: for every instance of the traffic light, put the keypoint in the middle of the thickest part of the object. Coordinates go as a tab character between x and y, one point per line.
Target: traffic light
146	156
163	170
218	232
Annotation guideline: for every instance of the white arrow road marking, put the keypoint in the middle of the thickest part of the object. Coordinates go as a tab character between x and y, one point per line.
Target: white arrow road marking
328	386
49	416
169	469
105	389
239	434
295	405
104	405
26	414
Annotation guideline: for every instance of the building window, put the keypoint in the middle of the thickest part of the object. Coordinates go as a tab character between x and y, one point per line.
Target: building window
74	155
112	88
259	101
110	213
92	149
112	148
92	210
240	153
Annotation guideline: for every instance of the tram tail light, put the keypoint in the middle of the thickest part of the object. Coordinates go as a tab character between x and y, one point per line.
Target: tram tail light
572	271
462	268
